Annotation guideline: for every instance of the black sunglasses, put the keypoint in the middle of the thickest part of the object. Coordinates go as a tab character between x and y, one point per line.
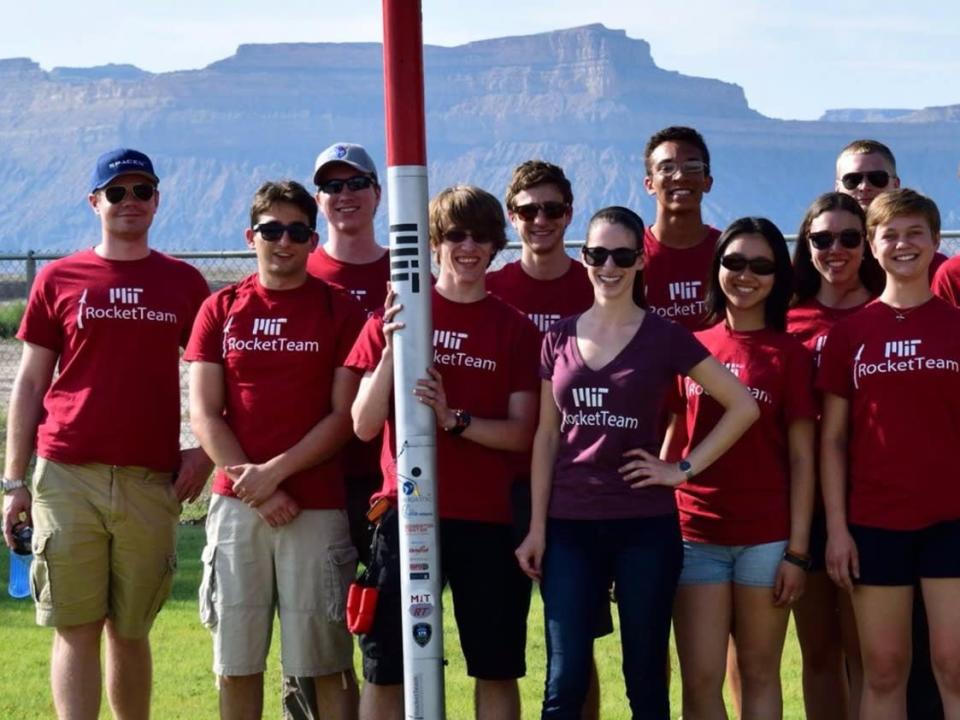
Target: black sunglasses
272	231
735	262
823	240
459	236
623	257
116	193
354	184
877	178
550	210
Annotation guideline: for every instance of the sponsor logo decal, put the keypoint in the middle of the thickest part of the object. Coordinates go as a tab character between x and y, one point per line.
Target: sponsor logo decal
422	632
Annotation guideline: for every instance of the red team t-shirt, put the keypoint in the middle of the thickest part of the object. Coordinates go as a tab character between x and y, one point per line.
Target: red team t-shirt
810	321
676	279
543	301
902	379
117	327
368	285
485	351
743	498
279	350
946	281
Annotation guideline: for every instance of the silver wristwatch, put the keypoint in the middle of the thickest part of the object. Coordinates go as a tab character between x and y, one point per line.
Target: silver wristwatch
10	485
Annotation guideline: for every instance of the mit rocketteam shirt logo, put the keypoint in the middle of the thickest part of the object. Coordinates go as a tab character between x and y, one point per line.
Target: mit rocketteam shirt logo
899	356
543	321
694	389
266	335
123	303
685	290
686	300
448	350
589	402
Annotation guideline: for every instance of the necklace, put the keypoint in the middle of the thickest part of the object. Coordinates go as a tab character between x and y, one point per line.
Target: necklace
900	314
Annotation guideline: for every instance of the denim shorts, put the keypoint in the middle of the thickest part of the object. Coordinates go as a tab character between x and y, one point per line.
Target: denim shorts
754	565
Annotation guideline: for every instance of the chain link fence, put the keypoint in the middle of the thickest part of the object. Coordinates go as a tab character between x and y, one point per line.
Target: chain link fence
219	268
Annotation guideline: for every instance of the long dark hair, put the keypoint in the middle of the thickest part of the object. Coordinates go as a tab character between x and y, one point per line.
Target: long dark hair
805	276
777	302
626	218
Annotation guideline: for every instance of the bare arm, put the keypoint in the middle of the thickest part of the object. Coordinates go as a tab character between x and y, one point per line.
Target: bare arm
26	407
206	415
791	579
371	408
842	558
545	443
740	412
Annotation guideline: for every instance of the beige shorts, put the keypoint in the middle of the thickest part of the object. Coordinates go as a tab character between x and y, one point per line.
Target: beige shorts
302	569
104	544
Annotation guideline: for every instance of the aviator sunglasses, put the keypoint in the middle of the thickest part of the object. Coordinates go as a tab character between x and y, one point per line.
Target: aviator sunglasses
823	240
551	210
354	184
272	231
877	178
735	262
623	257
116	193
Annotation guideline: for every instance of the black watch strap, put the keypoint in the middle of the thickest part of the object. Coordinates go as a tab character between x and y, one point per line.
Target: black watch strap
463	422
805	562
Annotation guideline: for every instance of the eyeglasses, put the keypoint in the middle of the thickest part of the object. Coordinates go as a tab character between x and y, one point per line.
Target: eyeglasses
669	168
735	262
824	239
272	231
877	178
550	210
623	257
459	236
354	184
116	193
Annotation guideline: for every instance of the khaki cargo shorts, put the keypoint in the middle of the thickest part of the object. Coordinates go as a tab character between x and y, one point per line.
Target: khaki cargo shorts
104	545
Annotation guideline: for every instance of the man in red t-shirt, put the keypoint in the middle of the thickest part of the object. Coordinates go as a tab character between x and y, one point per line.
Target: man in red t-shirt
482	388
110	320
866	168
270	402
348	195
679	245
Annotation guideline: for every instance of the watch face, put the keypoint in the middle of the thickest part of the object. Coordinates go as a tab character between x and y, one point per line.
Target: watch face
684	465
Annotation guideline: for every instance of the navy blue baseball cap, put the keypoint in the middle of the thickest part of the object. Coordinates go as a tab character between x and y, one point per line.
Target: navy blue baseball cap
121	161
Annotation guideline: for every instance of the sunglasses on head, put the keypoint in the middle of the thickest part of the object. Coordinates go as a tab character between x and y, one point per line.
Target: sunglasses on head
354	184
824	239
623	257
459	236
550	210
272	231
735	262
116	193
877	178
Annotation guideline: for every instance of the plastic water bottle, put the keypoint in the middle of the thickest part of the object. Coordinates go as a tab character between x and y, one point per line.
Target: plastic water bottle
21	557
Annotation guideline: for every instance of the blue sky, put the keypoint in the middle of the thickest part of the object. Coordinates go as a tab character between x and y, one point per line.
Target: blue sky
794	59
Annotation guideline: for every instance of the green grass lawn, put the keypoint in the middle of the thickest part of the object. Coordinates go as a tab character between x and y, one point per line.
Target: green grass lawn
184	685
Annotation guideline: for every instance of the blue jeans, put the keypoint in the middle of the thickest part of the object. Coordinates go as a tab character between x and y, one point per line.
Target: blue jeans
644	557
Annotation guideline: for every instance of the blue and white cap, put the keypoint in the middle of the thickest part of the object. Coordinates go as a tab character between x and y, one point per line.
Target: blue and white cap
350	154
121	161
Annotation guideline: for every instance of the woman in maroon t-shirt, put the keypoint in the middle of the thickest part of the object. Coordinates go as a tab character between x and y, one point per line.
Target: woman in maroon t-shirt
602	502
835	275
745	520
